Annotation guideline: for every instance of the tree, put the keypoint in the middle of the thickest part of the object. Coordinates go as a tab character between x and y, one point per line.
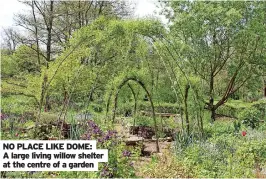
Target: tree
94	50
10	42
49	26
219	38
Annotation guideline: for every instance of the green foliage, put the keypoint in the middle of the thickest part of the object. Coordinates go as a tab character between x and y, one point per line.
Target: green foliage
261	106
159	107
47	118
219	128
250	117
144	121
17	104
217	50
125	108
237	125
214	58
250	114
95	108
171	123
9	67
225	155
232	108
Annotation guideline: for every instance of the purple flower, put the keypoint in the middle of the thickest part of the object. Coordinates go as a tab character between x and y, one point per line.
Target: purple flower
3	116
96	130
107	137
100	140
92	124
106	172
126	153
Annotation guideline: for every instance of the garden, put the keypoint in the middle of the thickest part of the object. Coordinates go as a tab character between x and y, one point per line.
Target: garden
186	99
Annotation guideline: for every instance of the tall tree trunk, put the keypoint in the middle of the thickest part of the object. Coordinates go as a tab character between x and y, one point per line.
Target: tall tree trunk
186	108
211	100
213	114
264	91
212	109
36	36
49	42
42	97
49	31
79	15
47	103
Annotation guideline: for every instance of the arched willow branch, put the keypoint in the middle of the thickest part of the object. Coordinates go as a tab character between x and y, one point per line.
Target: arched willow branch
165	42
135	79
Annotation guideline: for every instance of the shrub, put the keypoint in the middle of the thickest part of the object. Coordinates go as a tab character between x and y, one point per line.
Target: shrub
48	118
219	128
234	107
226	154
144	121
125	109
160	108
261	106
250	117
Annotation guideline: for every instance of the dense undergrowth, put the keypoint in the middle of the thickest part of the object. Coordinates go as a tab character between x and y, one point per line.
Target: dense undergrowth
229	148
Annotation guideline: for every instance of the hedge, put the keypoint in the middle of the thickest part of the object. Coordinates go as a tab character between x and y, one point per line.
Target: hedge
234	108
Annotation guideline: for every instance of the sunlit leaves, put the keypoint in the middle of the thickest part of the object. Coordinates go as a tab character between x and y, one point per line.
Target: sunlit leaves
100	52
